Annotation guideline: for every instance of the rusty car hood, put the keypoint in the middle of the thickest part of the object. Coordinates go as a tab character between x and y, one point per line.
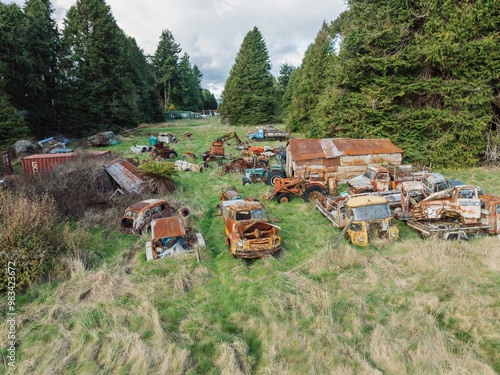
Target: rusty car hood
360	183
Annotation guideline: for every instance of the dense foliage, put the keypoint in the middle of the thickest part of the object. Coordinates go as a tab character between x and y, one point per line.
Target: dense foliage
249	95
89	77
29	237
423	73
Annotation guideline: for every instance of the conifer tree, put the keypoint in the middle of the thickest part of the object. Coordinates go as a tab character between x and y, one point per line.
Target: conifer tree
424	75
98	93
310	82
28	62
165	62
249	95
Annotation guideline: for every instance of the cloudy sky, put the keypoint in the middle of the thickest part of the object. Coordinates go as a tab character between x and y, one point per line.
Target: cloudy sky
211	31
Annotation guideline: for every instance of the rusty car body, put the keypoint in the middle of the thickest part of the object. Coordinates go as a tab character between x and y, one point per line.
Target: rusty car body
171	236
454	213
363	217
249	234
138	216
385	178
460	203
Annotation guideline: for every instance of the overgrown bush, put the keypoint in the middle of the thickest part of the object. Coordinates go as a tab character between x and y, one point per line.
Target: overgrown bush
29	238
75	186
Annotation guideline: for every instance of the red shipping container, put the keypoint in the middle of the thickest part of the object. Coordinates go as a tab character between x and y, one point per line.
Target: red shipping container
33	164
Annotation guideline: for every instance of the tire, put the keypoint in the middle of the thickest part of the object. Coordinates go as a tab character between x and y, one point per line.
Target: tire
262	164
314	192
246	182
273	176
171	155
283	198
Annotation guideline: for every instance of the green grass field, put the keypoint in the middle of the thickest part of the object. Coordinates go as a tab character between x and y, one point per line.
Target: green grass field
412	307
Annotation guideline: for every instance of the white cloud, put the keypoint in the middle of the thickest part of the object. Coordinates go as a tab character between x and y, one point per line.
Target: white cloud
211	32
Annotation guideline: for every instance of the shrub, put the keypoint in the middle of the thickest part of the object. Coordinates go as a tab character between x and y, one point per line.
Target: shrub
29	237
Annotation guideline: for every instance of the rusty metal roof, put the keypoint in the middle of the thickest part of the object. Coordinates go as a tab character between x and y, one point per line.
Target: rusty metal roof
167	227
126	175
314	148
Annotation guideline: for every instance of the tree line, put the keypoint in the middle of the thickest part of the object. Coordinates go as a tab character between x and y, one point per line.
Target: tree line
423	73
88	77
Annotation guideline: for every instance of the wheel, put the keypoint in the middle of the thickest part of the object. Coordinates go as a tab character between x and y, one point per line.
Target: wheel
314	192
262	164
273	176
171	155
246	182
283	198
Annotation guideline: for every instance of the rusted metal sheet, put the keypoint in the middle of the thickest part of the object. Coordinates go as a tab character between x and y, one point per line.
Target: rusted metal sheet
34	164
126	175
301	149
344	157
370	159
167	227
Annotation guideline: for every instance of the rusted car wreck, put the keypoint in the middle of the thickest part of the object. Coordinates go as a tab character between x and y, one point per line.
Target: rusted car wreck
172	236
138	216
249	234
456	213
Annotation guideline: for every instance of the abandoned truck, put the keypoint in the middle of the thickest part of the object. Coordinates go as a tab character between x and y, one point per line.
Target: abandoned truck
269	133
138	216
171	236
362	217
377	178
249	234
455	213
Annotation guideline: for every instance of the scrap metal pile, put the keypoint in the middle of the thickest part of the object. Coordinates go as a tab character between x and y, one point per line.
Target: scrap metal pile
426	201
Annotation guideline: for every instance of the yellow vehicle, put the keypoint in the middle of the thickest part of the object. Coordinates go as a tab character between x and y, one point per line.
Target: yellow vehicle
361	217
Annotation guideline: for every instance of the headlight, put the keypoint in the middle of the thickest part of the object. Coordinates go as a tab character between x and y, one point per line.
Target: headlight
360	239
239	244
393	234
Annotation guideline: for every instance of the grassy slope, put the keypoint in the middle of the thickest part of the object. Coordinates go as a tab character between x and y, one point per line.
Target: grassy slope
413	307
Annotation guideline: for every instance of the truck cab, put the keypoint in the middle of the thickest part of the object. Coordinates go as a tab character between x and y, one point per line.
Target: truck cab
460	203
434	182
371	218
374	179
490	213
248	231
363	217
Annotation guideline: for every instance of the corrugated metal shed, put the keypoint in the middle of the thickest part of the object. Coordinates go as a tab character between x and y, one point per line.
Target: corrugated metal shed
126	175
343	157
304	149
34	164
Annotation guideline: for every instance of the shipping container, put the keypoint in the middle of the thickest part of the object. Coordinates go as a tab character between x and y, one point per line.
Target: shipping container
34	164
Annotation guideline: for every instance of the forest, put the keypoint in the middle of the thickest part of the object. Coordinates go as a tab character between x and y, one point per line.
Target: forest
88	77
424	73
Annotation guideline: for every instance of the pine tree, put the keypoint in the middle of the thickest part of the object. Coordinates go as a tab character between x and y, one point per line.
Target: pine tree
423	74
98	93
12	125
249	95
209	101
309	83
165	62
186	90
